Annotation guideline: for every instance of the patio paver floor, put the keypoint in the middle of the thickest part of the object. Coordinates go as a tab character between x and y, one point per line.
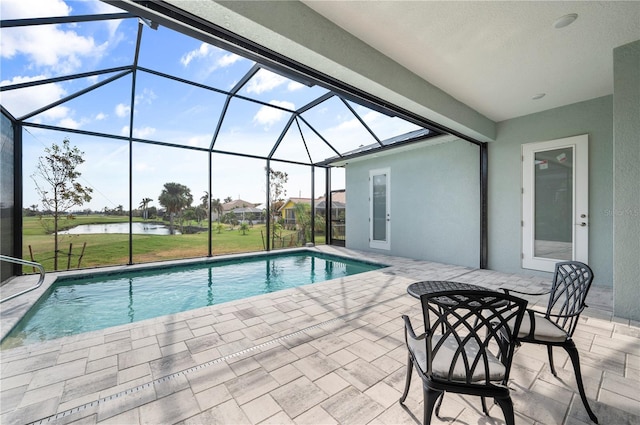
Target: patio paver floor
327	353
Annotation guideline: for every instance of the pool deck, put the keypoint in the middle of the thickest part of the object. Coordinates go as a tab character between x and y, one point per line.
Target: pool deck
328	353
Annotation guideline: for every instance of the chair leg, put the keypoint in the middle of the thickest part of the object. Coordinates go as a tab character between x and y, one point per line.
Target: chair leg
507	409
431	396
439	404
484	405
571	349
550	351
408	383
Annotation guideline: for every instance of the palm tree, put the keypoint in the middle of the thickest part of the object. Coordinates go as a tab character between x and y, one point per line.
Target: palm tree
244	228
145	206
216	206
204	200
302	213
175	197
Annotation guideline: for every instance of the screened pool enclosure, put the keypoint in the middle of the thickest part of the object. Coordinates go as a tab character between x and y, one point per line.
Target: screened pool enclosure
148	105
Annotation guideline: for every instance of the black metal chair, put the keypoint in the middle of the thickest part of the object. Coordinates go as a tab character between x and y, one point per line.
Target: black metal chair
555	327
467	347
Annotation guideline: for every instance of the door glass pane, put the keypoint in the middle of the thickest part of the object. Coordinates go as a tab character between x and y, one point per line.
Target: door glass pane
380	207
554	204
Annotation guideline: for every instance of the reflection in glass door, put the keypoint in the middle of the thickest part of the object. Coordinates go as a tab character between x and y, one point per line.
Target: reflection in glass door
379	216
337	217
555	202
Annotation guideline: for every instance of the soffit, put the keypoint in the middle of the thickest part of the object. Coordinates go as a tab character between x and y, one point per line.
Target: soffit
495	56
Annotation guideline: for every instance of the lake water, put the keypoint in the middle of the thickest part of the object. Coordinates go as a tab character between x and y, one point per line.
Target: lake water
137	229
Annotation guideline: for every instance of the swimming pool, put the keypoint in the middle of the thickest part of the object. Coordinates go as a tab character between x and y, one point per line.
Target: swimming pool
74	305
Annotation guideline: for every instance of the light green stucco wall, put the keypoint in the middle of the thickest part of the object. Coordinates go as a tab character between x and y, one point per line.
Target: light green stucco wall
435	198
626	181
593	117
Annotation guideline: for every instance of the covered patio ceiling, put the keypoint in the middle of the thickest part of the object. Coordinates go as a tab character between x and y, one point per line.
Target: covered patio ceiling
125	77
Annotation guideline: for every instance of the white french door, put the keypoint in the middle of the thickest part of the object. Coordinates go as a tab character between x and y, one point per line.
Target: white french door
379	215
555	201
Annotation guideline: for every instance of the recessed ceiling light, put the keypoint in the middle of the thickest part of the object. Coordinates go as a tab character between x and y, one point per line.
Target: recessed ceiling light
565	20
538	96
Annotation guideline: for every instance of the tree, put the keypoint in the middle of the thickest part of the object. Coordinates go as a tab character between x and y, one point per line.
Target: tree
230	218
189	214
277	192
201	214
56	182
145	207
219	227
175	197
204	200
244	228
302	213
216	206
228	199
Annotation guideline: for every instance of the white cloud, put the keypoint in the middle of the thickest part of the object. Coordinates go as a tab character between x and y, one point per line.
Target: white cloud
15	9
210	58
200	52
294	85
371	117
268	116
101	8
122	110
23	101
349	124
199	141
101	116
142	166
57	113
264	81
228	59
147	97
69	123
143	132
46	45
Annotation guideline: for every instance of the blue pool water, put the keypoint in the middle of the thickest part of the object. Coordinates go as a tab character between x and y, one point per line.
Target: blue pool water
76	305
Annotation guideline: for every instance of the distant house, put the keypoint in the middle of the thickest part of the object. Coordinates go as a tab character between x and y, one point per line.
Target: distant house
287	211
239	207
338	202
253	214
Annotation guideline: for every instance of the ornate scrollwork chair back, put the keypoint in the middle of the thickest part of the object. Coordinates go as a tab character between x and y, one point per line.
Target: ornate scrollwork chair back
554	328
467	347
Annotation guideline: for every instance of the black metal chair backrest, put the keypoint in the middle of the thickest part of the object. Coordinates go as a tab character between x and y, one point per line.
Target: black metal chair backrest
571	283
471	335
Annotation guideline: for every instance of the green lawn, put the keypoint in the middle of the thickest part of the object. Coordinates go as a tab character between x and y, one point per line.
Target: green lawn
113	249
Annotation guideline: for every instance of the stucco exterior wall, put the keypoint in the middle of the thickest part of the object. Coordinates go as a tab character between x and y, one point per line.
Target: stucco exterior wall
435	198
626	178
593	117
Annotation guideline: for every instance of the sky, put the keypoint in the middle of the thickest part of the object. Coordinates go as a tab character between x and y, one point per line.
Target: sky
165	110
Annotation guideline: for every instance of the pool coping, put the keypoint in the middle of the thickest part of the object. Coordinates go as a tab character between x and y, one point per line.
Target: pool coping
12	311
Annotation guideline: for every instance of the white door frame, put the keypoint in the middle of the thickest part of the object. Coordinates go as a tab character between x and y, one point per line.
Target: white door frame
386	243
580	196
